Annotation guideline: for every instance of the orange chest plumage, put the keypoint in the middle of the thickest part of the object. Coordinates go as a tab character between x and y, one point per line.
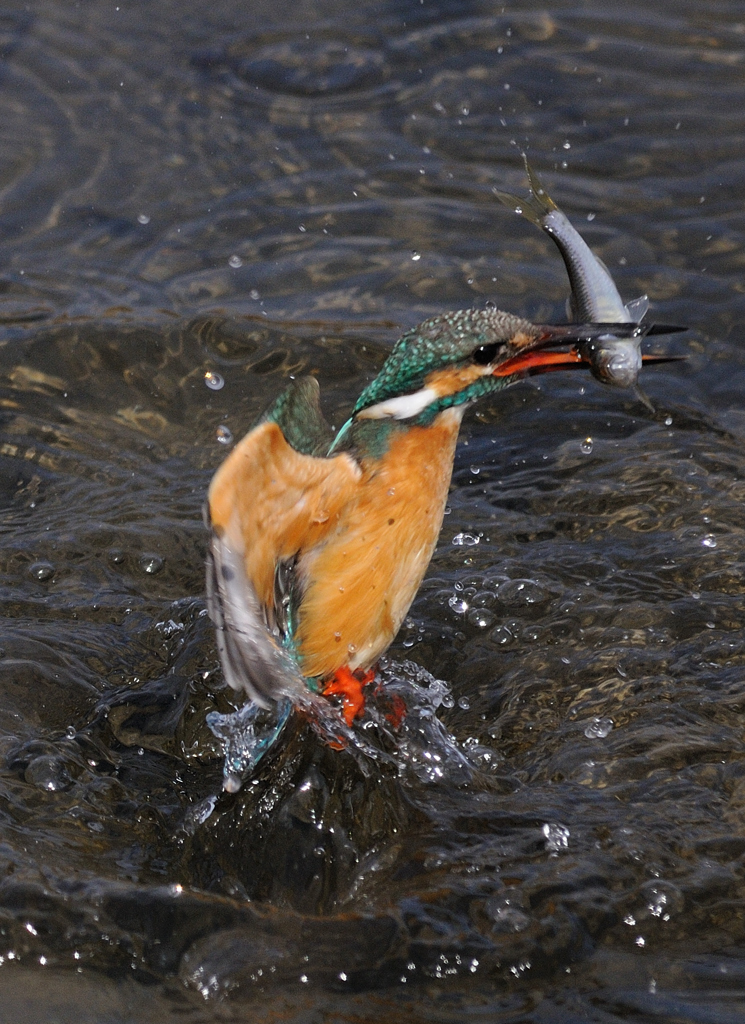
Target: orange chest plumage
360	535
360	581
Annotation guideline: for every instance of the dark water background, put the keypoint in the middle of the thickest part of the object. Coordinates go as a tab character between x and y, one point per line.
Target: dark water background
590	866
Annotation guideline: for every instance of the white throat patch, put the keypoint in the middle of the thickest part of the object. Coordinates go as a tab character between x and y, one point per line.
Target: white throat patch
401	408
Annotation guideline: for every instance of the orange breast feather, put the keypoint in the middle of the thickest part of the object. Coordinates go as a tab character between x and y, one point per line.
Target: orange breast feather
363	577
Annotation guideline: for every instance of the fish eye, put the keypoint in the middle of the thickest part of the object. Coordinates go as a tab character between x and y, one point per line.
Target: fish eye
485	354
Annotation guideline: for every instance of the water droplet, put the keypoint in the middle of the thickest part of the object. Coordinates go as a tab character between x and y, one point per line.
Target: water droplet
235	262
461	540
598	728
586	446
151	564
661	899
481	617
668	421
302	227
709	541
41	571
223	434
464	703
254	294
557	837
116	556
416	256
143	218
475	470
459	606
48	773
567	145
352	648
517	593
214	380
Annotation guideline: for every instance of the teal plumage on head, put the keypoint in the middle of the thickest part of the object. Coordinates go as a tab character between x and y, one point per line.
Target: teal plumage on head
437	343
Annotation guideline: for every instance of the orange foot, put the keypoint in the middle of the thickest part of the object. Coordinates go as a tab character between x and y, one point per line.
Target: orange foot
348	685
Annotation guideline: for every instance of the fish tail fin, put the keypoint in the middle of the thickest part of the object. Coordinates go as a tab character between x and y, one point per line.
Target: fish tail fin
536	206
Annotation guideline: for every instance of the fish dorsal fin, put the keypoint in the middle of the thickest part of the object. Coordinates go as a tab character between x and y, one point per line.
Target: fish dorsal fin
297	413
637	308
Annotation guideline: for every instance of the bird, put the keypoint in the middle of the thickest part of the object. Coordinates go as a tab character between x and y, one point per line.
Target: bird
320	539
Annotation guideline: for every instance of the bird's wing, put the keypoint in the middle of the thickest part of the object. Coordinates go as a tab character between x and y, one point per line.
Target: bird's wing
297	413
252	658
267	504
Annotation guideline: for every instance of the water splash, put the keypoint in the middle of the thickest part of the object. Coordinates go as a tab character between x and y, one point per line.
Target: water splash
399	728
246	735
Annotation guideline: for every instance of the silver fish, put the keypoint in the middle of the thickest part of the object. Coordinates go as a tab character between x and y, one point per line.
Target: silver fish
594	297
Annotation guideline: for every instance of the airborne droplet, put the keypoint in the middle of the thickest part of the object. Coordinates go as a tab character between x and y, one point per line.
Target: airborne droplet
151	564
41	571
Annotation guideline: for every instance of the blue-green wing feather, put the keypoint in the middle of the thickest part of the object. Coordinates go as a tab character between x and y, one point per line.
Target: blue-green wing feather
297	413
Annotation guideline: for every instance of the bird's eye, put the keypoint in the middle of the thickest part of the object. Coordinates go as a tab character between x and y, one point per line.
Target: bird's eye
485	354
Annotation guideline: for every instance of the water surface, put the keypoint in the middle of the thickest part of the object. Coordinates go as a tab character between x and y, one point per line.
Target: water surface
189	189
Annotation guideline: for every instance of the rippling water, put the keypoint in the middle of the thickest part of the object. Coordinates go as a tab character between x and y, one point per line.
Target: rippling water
189	190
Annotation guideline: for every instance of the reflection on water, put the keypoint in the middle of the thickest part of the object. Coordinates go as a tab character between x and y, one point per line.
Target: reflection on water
196	206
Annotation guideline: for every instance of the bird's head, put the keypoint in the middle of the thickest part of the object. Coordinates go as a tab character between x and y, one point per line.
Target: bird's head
457	358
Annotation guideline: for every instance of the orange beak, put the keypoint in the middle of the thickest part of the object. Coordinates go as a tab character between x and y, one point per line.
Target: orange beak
539	358
540	361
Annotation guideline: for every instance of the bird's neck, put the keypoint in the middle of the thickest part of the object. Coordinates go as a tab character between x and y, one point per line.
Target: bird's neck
368	439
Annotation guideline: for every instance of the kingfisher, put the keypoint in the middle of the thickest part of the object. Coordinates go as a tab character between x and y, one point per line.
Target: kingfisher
320	539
